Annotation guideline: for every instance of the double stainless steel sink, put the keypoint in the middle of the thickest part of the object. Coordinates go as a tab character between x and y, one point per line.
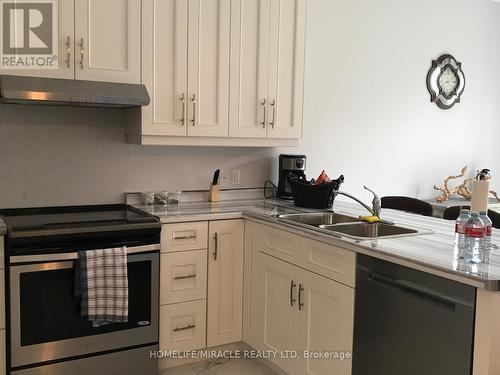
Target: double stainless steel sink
348	226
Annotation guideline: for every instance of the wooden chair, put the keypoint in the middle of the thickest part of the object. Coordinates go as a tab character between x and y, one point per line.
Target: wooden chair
407	204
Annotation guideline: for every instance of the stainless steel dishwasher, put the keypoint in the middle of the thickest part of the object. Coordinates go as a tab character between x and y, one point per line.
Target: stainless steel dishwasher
410	322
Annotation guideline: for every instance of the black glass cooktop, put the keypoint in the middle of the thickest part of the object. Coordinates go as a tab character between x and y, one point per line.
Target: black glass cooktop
32	222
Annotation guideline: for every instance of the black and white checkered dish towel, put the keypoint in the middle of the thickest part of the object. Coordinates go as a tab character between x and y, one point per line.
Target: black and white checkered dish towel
103	285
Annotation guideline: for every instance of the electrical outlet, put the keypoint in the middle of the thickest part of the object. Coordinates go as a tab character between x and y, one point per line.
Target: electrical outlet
236	176
224	179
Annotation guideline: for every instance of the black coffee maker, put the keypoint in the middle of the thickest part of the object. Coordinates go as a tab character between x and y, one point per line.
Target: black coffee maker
290	167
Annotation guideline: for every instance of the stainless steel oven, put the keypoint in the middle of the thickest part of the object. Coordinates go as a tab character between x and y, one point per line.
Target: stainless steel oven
47	333
45	317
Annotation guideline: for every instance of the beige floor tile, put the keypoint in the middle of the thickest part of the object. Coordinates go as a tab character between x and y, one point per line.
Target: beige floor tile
222	367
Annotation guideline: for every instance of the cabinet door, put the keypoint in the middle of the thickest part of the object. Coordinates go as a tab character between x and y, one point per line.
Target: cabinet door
66	53
281	314
208	67
225	282
249	68
108	37
326	324
286	68
164	66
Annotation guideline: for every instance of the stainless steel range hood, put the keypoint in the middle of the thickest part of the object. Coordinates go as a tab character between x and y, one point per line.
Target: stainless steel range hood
67	92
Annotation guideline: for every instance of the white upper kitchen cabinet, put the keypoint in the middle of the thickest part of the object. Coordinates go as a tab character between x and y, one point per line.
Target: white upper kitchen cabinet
225	282
108	40
249	68
66	50
208	67
222	73
189	87
286	68
164	66
267	68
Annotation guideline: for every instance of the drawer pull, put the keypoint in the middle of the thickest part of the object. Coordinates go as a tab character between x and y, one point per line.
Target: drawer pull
273	122
188	237
263	104
185	277
301	304
216	249
292	289
190	326
82	52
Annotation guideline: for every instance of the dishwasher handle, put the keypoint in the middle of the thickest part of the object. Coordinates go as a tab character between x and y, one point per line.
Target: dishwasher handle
421	291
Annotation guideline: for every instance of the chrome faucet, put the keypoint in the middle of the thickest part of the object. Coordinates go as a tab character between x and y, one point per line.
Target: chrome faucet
376	204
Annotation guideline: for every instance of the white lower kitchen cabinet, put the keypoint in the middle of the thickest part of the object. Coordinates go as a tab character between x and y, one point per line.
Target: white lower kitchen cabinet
183	326
281	314
325	324
291	309
225	282
201	284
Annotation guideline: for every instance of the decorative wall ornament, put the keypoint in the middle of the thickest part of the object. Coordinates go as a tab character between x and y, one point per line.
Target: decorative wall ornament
446	81
464	189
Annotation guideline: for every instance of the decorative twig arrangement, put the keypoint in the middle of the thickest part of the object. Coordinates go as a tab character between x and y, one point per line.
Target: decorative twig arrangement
464	189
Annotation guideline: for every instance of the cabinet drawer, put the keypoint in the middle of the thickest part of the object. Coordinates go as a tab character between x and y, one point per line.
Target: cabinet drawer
183	326
184	236
183	276
281	244
329	261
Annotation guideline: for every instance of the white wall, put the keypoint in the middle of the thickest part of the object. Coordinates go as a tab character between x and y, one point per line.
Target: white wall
367	110
58	156
367	115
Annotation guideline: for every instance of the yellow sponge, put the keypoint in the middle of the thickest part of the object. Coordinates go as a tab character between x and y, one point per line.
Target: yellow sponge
369	219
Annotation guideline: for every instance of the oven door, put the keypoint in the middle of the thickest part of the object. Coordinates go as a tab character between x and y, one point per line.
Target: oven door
46	324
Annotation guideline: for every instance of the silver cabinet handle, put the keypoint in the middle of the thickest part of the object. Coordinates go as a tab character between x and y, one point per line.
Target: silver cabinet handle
185	277
301	304
187	237
183	101
216	247
272	122
292	289
263	104
68	52
177	329
82	52
193	99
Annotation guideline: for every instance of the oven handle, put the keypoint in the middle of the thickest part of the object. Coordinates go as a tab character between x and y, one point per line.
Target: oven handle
74	256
